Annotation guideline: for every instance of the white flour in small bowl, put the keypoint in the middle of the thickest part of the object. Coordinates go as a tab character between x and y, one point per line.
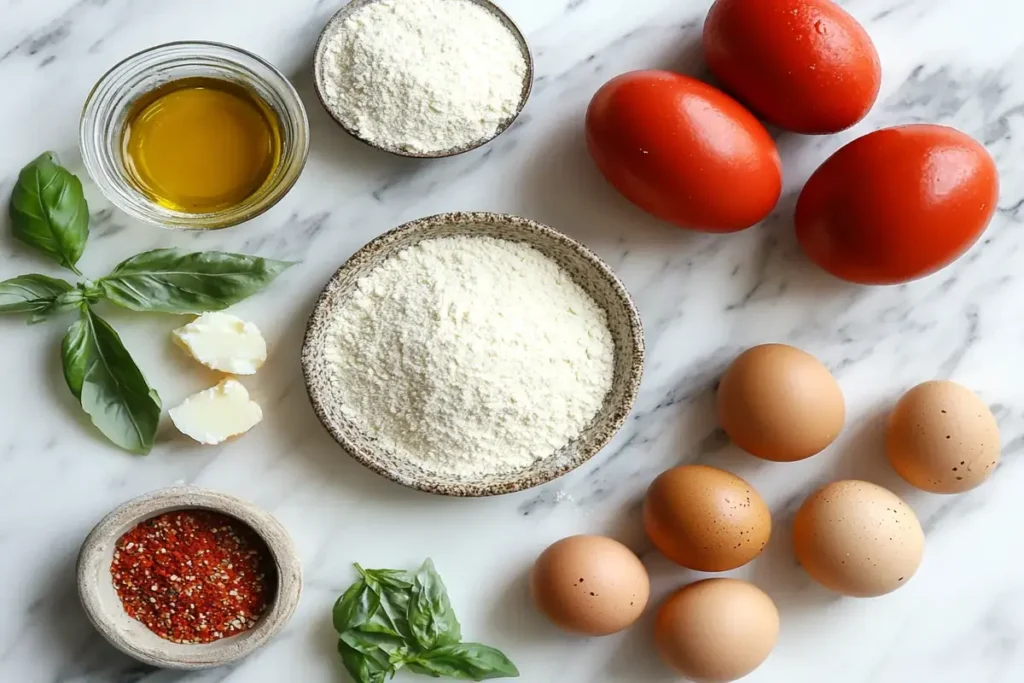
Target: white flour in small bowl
470	356
423	76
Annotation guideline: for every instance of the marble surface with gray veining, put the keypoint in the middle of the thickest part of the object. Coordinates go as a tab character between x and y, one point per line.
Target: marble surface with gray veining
703	298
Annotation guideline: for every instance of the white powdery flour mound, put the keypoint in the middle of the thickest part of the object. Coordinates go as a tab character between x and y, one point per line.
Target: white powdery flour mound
423	75
471	355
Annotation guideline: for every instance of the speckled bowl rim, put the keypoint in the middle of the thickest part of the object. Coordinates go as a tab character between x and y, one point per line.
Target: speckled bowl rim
346	10
117	627
311	351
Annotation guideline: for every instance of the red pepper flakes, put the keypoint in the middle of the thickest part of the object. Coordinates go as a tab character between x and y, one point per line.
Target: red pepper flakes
192	576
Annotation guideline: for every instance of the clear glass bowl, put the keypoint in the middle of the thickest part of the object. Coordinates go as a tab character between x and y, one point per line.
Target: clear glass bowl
103	121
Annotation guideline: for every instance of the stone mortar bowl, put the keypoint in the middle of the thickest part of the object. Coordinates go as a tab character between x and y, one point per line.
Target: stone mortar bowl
585	268
103	607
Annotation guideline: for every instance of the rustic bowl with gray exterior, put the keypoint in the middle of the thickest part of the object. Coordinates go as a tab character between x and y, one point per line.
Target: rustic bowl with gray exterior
585	268
103	607
334	25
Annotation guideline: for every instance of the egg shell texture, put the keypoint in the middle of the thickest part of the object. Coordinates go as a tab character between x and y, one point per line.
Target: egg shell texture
858	538
590	585
780	403
716	630
942	438
706	519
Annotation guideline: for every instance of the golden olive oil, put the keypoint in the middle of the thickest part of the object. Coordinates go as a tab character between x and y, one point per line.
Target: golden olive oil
201	145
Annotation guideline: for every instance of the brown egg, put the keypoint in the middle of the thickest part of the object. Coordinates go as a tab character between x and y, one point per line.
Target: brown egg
717	630
942	438
780	403
858	538
590	584
706	518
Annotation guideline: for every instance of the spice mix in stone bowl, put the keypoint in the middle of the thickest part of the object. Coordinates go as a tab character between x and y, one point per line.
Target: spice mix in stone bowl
187	578
473	354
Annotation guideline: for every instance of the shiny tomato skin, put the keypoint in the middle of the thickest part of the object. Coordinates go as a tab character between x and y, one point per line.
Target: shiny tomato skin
897	204
803	65
684	151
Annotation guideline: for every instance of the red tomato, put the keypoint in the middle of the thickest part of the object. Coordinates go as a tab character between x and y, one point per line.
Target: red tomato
684	151
897	204
804	65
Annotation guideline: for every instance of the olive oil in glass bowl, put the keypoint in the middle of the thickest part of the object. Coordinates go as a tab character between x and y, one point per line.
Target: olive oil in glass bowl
194	135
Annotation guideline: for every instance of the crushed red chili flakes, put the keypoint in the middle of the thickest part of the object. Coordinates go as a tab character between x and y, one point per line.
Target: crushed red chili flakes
192	576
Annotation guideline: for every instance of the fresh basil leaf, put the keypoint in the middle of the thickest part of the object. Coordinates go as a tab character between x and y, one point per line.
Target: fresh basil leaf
431	617
362	667
346	613
396	578
392	647
394	606
112	390
49	212
167	281
360	608
394	594
464	661
40	295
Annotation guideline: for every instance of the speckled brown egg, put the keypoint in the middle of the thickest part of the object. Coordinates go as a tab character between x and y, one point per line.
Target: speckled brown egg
590	585
858	539
705	518
942	438
717	630
780	403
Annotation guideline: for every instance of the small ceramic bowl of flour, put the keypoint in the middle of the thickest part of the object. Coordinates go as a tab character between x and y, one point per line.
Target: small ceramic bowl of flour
423	78
473	354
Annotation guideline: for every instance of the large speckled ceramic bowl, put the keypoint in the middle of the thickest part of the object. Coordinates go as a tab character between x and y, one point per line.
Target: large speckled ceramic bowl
589	272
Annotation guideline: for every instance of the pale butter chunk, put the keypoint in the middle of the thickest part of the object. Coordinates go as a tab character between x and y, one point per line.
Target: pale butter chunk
217	414
220	341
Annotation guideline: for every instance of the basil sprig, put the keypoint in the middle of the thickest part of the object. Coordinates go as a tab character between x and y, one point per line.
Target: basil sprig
48	211
389	619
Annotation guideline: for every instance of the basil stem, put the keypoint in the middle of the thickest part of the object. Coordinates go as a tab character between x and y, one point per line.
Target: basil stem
49	212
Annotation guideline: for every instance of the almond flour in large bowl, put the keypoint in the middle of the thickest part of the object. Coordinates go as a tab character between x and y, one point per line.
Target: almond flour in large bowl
473	354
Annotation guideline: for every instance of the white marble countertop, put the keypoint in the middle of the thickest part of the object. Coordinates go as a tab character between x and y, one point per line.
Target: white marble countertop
703	298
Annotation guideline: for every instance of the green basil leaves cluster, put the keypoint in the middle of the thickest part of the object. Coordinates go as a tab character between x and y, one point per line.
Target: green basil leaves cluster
390	619
49	213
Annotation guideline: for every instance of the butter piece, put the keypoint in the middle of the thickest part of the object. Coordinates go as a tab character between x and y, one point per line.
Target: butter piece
217	414
220	341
